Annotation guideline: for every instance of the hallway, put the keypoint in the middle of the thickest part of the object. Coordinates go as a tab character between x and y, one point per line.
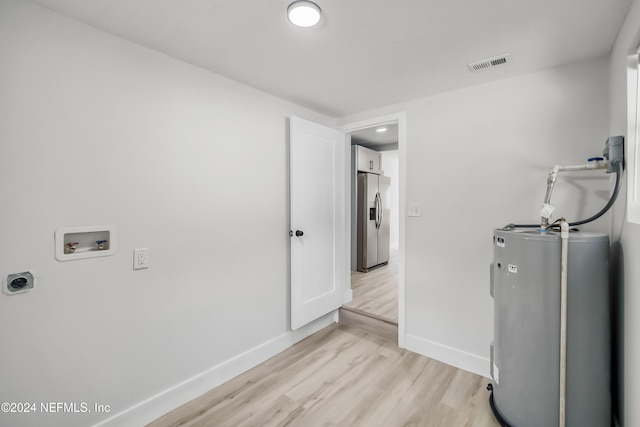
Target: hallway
376	293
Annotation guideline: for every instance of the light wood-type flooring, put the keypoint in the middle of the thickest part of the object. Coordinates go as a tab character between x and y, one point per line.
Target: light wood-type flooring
376	292
343	376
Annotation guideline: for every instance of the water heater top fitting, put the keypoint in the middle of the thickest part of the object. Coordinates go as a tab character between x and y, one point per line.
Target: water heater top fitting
613	152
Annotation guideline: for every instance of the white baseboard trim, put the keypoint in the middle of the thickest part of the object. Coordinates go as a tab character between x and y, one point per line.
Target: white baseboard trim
449	355
347	297
156	406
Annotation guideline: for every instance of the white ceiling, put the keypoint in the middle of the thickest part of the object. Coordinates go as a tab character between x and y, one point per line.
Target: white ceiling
365	53
370	137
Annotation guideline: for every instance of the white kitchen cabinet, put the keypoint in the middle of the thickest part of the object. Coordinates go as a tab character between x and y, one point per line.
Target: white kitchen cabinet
368	160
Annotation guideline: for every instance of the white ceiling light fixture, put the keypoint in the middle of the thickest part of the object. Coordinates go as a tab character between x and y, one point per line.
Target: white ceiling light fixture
382	129
304	13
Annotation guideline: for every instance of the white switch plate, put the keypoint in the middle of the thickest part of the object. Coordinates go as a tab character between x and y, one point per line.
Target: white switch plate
140	258
415	209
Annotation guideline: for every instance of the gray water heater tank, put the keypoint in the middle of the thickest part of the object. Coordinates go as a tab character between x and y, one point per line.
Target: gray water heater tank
525	361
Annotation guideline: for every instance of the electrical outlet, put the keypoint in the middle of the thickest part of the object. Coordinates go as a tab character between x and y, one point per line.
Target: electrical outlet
140	258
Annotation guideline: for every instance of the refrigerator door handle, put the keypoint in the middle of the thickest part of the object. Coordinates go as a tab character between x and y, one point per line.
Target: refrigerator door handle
375	208
378	211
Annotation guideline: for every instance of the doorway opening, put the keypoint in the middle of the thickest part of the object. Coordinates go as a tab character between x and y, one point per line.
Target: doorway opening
375	221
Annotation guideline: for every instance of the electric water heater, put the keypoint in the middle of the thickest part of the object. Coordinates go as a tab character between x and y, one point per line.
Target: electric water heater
525	285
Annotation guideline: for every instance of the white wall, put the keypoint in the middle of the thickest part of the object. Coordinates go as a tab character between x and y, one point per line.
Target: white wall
96	130
627	249
477	159
390	166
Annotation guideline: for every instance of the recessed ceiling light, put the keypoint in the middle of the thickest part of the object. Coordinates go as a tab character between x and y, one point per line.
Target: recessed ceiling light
381	130
303	13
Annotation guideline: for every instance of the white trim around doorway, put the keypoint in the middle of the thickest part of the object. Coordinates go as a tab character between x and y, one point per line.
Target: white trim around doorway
400	119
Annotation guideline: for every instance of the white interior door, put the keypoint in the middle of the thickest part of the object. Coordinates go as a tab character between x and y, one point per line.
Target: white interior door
318	163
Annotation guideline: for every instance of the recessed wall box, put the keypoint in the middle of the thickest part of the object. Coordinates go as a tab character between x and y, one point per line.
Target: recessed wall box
84	242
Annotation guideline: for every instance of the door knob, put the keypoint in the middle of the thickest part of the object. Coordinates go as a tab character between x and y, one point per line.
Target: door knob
299	233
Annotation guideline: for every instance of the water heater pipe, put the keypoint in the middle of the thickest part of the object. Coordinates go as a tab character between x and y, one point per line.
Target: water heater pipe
564	235
551	180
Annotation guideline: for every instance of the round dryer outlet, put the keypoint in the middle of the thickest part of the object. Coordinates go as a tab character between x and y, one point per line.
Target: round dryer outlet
19	283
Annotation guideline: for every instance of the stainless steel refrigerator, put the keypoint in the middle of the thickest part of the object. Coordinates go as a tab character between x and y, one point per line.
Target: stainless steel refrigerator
373	220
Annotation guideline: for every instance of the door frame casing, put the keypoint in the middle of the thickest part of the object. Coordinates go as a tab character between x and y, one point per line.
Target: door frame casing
400	119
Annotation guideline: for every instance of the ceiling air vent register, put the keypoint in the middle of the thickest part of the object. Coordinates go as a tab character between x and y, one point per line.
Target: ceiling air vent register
485	64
